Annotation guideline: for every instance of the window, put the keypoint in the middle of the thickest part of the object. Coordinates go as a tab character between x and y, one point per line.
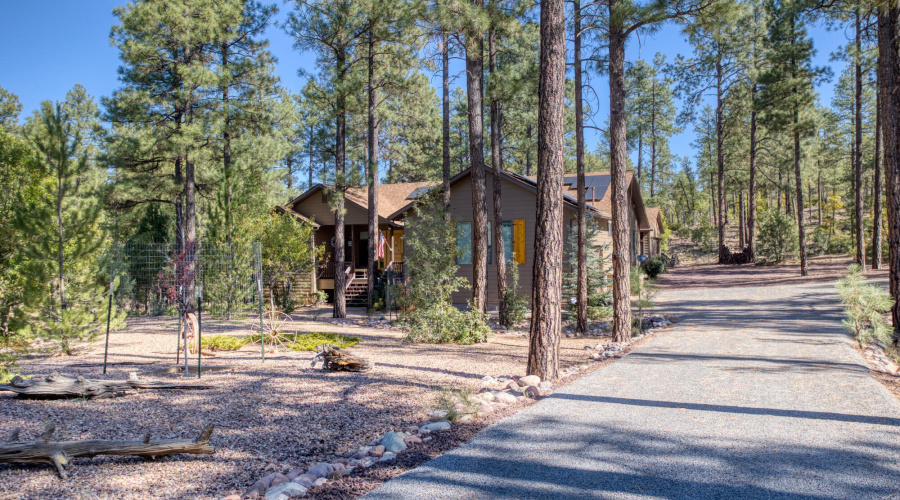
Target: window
463	243
508	240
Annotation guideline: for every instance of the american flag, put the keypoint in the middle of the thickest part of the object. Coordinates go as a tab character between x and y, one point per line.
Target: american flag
380	245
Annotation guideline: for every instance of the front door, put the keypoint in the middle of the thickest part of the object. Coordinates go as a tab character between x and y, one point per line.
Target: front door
362	250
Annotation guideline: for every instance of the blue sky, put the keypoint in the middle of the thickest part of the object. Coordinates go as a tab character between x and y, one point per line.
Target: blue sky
48	46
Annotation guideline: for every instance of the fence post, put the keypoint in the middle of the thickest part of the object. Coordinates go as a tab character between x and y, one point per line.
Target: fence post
259	288
112	273
199	323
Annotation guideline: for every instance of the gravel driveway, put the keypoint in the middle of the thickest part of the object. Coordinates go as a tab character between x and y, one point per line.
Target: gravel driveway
756	393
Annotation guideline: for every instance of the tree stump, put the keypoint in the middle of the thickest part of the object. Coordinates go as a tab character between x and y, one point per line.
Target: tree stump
58	453
58	386
336	359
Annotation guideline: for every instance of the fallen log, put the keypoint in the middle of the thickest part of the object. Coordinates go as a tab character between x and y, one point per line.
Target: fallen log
58	386
338	360
58	453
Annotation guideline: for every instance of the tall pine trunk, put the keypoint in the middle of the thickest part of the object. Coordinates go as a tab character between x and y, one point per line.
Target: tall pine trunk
445	123
801	229
621	257
546	316
879	187
582	273
497	167
741	231
340	297
372	177
190	226
752	193
720	159
857	154
475	95
889	79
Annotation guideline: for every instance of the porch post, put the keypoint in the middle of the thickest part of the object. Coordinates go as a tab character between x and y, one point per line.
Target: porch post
312	273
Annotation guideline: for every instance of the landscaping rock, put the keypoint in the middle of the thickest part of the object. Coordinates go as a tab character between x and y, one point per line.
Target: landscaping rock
321	469
258	488
487	397
614	347
532	392
279	479
512	385
393	442
305	480
437	426
466	418
285	491
387	456
545	387
505	398
338	474
293	474
412	440
377	451
530	380
485	409
438	415
320	481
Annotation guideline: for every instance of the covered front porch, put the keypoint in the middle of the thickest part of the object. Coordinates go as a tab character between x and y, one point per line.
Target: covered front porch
356	259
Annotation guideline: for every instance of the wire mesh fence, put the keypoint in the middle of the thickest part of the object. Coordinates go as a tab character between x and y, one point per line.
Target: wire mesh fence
189	294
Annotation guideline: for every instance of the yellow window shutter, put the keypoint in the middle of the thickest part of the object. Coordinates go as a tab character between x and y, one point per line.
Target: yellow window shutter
519	240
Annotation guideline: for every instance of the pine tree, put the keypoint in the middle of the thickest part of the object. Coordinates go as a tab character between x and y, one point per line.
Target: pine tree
717	68
787	92
20	180
596	280
624	17
336	30
63	235
651	98
546	324
10	107
160	118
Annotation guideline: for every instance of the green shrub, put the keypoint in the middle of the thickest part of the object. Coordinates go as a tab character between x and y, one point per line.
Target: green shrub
864	305
222	343
642	290
427	313
777	236
8	367
704	237
309	341
442	325
654	266
825	240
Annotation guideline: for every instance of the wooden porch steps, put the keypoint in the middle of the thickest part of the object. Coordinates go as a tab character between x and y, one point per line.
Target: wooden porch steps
358	292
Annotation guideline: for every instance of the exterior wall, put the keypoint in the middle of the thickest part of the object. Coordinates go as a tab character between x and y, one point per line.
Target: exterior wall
314	208
518	203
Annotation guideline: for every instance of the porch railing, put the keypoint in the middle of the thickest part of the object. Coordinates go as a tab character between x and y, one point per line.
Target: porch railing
326	270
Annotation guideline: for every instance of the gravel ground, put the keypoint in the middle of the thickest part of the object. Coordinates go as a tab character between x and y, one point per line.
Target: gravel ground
756	393
269	417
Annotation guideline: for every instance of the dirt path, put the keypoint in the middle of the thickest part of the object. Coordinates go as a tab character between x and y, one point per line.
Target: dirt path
756	393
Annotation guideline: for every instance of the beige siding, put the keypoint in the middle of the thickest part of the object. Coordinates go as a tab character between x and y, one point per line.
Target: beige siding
518	203
314	208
